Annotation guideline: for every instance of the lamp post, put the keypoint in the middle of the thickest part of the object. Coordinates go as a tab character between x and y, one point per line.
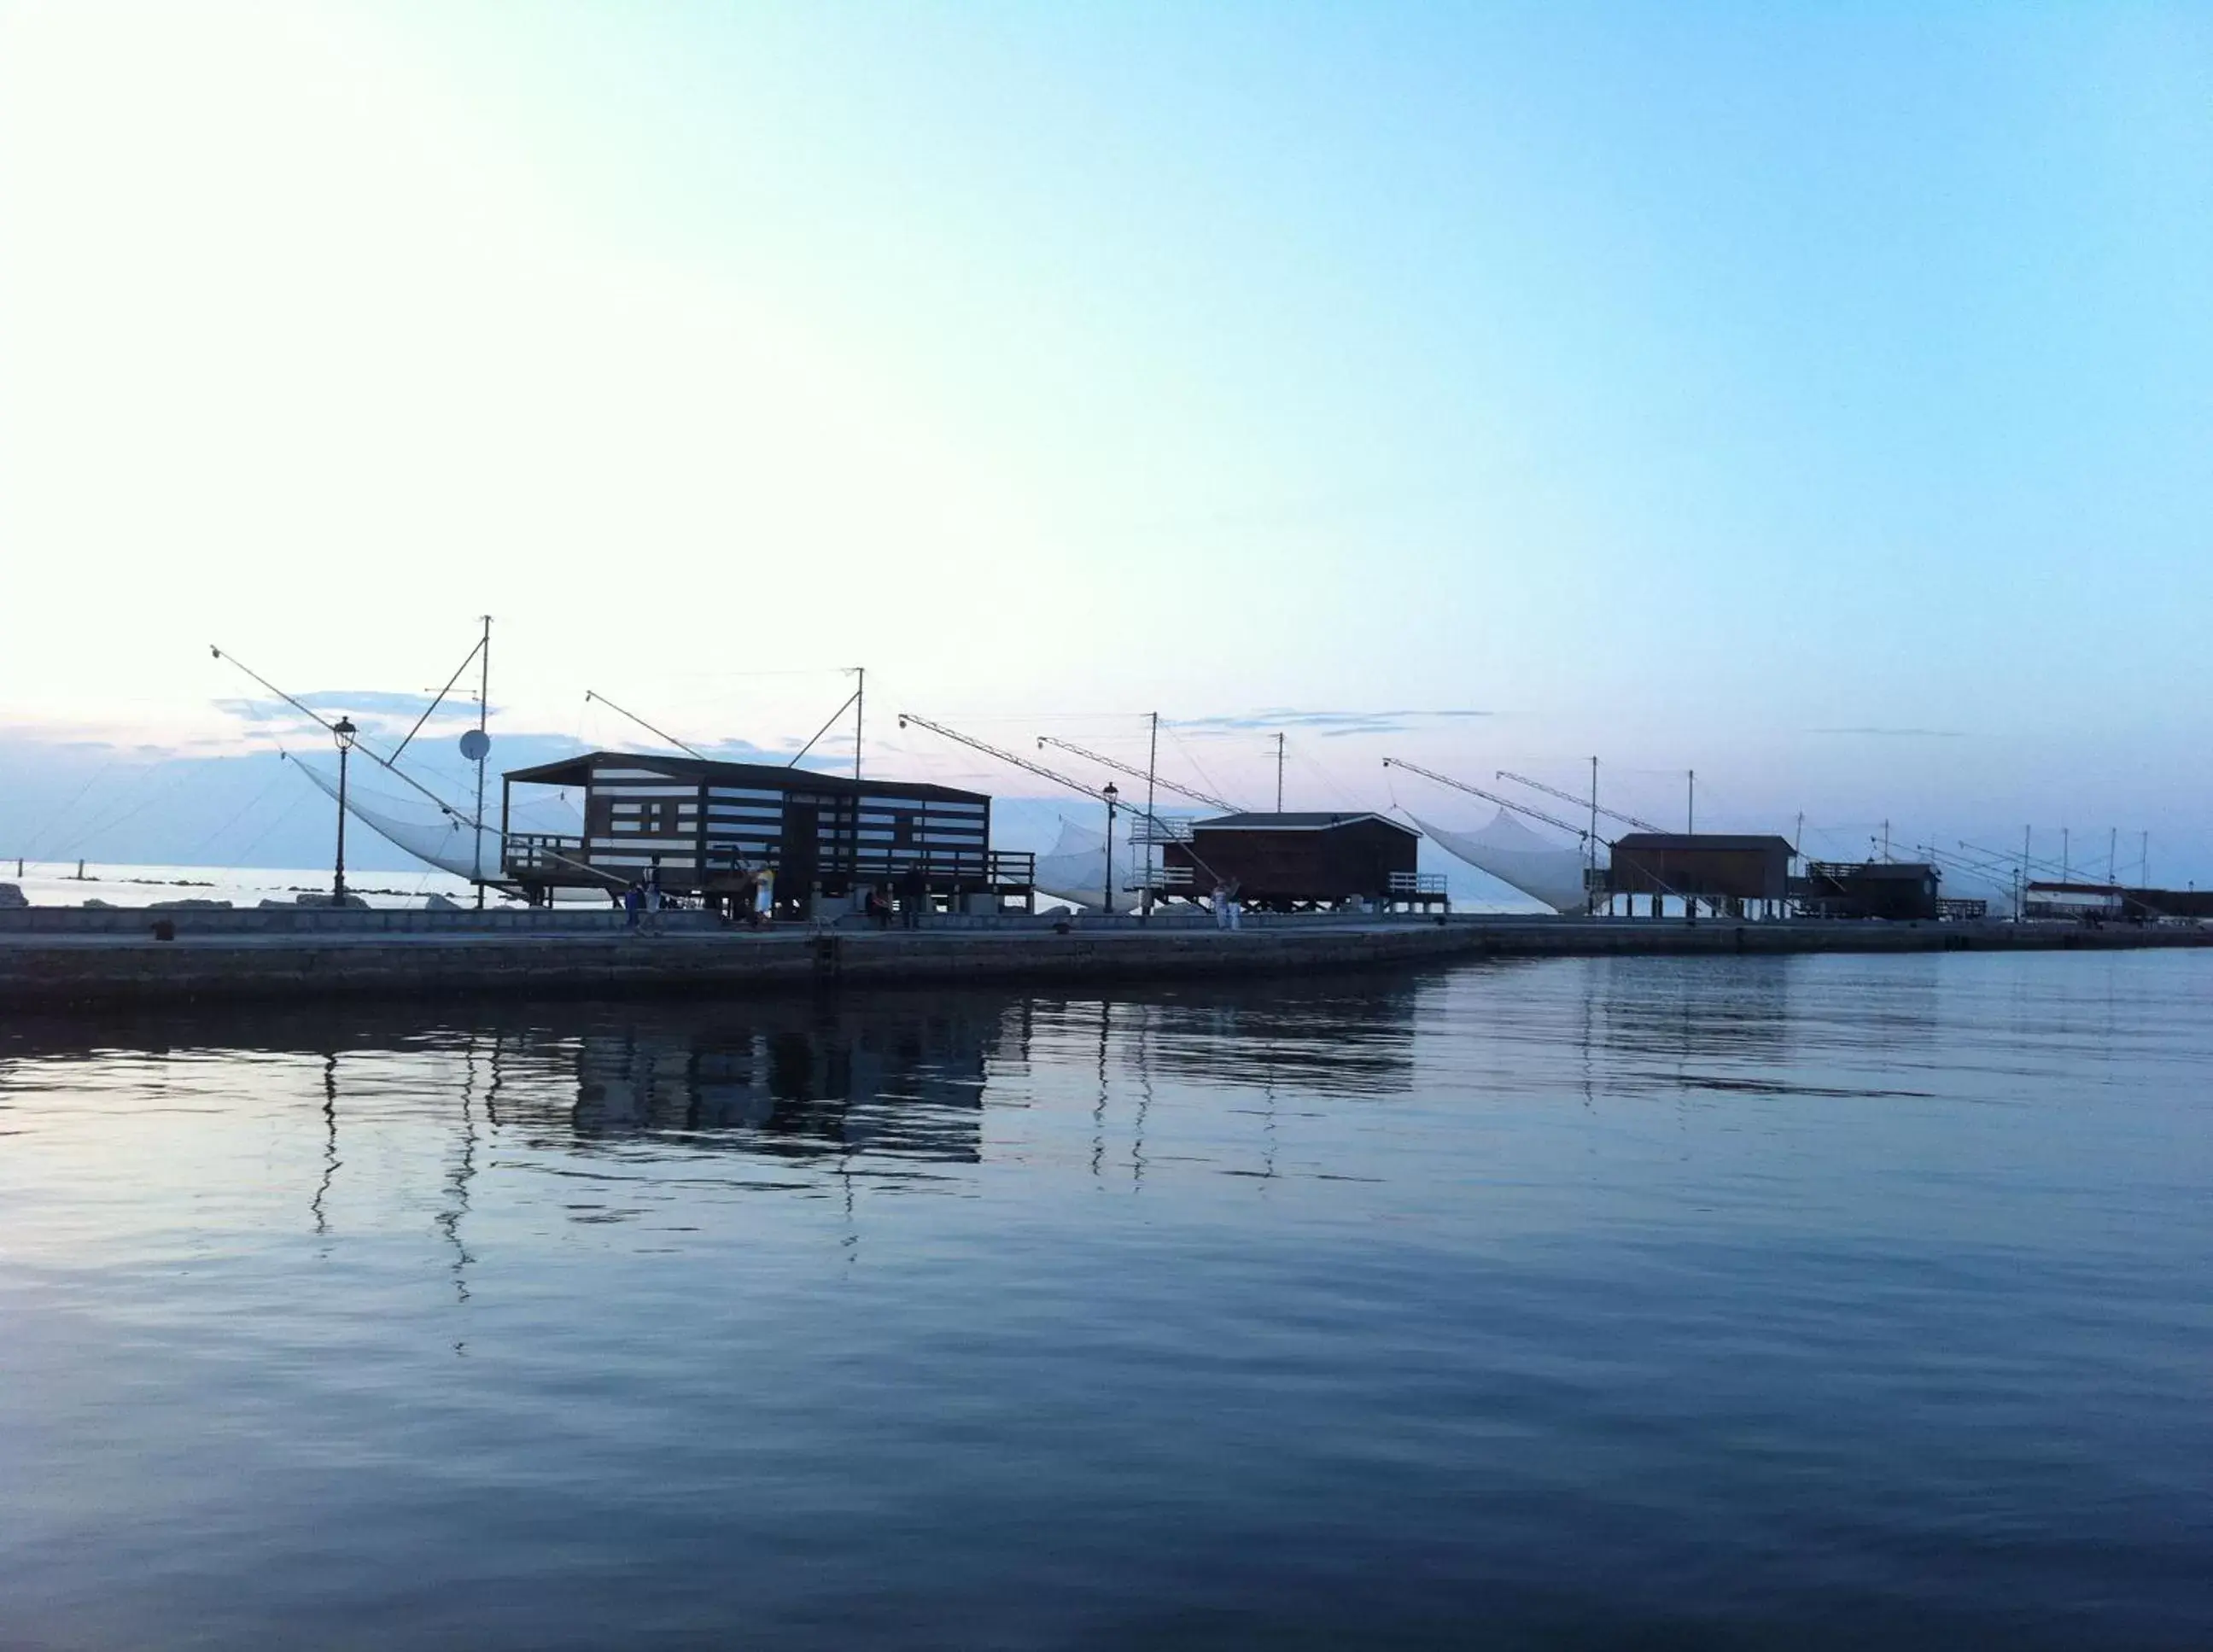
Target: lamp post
343	732
1110	794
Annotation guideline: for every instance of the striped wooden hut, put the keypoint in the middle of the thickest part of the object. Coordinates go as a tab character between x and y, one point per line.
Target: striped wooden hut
710	830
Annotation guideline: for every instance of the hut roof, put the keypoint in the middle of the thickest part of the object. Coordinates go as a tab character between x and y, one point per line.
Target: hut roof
767	777
1295	822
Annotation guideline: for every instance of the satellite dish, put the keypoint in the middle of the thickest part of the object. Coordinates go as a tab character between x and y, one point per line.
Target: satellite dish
475	745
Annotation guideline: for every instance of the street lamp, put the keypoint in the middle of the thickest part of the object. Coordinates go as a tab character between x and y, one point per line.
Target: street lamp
1110	794
343	732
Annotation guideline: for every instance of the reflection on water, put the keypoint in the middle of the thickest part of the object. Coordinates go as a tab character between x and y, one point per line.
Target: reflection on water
1679	1028
792	1079
837	1083
1740	1300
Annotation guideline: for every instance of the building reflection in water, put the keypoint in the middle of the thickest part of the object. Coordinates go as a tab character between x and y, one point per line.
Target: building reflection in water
890	1075
902	1087
835	1081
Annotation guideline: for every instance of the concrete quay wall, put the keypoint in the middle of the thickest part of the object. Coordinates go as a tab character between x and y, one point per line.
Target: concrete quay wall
97	971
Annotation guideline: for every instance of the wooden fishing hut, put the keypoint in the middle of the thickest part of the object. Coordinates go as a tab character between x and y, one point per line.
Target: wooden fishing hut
1301	863
2085	903
711	830
2152	904
1727	871
1897	891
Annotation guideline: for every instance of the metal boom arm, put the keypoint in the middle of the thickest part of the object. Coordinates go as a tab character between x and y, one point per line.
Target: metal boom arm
1582	834
360	745
1570	797
1000	752
1054	775
1132	770
590	695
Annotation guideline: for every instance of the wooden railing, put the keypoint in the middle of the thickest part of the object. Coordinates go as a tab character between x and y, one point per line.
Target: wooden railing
545	857
888	864
543	854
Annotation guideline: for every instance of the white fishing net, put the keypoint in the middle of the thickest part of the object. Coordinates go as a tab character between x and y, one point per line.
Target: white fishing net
1520	858
1074	868
417	827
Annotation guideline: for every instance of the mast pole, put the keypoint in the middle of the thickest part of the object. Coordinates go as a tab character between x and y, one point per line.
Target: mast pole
2112	854
1279	772
1152	845
1590	895
484	709
1107	907
1690	808
860	698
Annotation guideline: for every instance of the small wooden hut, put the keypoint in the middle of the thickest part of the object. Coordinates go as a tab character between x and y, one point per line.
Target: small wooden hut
1725	870
712	830
1302	862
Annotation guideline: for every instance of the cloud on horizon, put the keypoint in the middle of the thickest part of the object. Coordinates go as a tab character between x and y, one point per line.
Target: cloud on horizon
371	701
1895	733
1328	724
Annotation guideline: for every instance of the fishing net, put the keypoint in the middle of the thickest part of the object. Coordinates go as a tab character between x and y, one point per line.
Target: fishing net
1519	859
421	830
1074	869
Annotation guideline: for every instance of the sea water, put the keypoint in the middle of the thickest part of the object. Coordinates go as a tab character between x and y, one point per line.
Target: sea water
1741	1302
75	883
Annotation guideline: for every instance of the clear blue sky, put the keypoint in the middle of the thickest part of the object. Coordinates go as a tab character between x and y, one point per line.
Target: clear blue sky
1684	383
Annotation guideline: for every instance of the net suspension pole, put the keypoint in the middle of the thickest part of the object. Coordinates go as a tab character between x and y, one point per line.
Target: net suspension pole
1152	847
483	709
1590	896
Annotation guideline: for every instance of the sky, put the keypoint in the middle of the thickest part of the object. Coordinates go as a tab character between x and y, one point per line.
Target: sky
1817	398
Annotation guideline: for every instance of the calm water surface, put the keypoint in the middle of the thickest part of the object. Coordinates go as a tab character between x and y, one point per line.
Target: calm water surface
1760	1301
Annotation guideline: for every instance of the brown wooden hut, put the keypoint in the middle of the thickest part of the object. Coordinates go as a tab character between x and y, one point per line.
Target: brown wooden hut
1722	868
1899	891
1302	862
